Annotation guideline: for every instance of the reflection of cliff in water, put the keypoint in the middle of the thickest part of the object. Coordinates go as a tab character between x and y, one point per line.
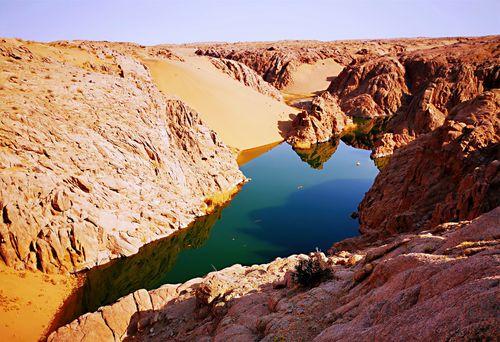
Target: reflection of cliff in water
318	154
107	283
362	136
365	133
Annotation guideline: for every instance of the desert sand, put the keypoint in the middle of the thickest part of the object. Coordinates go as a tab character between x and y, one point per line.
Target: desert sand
311	78
29	301
241	116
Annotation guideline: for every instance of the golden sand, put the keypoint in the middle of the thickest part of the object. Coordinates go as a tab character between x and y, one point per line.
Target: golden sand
311	78
30	301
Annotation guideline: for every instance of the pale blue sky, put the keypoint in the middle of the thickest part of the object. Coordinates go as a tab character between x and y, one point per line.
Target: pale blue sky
153	21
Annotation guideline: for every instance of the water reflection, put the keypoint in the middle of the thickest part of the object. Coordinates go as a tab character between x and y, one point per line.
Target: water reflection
318	154
362	136
365	133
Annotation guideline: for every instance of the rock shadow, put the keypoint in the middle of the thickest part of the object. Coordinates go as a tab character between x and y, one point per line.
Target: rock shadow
284	126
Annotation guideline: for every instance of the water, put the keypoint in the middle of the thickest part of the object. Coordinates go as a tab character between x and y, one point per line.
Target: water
296	202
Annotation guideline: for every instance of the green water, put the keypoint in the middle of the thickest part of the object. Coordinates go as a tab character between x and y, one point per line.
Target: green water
294	203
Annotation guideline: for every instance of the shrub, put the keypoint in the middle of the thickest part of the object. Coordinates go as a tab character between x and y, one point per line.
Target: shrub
310	272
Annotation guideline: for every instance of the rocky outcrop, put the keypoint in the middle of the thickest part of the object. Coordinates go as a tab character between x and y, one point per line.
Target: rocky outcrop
247	76
95	162
319	123
273	63
444	277
450	174
372	88
417	89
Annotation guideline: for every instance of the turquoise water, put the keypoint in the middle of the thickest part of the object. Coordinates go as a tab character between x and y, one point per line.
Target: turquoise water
295	202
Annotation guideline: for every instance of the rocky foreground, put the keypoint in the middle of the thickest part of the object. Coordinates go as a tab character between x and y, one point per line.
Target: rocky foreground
437	285
95	162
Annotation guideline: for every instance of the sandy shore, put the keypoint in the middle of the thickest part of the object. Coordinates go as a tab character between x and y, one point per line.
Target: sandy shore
247	155
30	301
241	116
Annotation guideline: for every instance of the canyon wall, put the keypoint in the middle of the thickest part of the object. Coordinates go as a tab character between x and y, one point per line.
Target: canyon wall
96	162
416	89
450	174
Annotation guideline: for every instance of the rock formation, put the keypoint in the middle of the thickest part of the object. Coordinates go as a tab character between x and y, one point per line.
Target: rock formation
247	76
418	88
442	104
437	285
317	124
95	162
370	88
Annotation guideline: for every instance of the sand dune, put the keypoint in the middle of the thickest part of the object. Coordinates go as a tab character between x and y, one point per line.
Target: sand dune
241	116
309	78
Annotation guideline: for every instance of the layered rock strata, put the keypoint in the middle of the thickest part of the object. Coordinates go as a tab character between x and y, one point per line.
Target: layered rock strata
95	162
451	270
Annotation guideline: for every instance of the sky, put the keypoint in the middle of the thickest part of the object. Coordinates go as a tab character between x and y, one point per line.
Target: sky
152	22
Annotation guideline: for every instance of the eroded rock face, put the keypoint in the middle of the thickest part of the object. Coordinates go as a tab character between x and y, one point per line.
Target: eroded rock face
275	61
247	76
449	174
415	86
372	88
399	284
319	123
95	161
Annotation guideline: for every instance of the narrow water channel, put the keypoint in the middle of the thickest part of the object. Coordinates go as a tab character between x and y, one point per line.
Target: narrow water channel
295	202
